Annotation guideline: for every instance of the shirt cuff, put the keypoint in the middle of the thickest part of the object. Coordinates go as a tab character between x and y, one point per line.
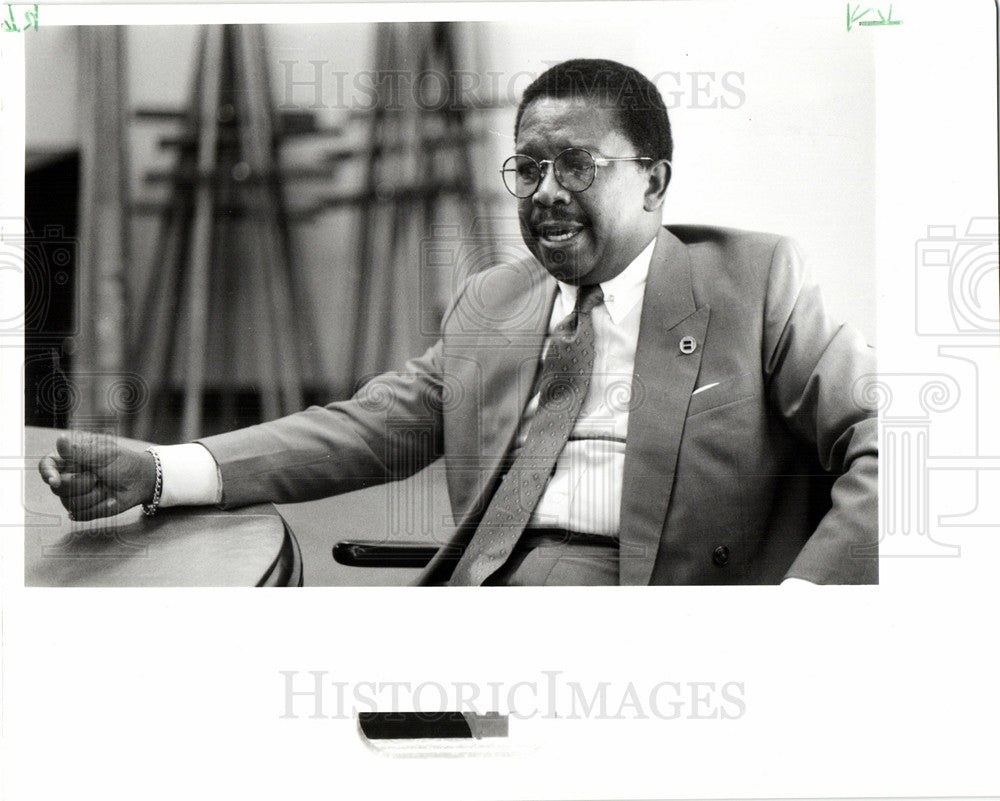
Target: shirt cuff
190	476
797	582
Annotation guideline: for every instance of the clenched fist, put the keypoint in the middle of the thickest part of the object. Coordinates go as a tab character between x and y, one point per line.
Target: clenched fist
97	475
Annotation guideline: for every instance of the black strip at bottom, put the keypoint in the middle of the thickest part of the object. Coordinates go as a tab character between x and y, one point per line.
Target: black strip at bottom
413	725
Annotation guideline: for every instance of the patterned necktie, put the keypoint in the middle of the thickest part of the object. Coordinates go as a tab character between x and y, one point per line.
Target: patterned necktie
562	387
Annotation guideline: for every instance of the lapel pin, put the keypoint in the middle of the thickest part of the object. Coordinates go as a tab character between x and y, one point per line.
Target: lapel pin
688	345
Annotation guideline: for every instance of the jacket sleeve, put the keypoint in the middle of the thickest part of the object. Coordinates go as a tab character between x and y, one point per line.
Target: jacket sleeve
389	430
815	369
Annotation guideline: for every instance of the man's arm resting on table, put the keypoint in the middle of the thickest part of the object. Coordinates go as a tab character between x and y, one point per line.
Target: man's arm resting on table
318	452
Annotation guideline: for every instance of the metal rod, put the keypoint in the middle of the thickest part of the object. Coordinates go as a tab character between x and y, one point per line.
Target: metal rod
201	246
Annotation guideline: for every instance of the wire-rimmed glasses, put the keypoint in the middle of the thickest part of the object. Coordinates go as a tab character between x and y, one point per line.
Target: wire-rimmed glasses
574	169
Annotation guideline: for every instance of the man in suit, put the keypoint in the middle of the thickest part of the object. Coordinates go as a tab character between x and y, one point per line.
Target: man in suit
638	404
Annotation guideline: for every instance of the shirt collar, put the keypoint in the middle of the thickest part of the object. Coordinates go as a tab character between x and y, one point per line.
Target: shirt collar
621	293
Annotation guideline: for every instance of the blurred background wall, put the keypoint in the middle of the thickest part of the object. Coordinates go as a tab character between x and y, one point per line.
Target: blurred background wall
771	134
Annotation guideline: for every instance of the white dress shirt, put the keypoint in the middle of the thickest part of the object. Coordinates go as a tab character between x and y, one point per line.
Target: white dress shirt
584	492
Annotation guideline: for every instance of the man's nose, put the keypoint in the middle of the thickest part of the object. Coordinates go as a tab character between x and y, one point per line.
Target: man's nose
549	190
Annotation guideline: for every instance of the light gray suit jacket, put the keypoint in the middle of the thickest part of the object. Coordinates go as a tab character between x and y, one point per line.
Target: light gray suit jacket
770	473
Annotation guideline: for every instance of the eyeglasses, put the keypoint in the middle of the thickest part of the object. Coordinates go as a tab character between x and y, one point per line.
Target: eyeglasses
574	168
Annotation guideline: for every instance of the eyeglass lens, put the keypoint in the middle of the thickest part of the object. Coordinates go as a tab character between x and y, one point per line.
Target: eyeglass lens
573	168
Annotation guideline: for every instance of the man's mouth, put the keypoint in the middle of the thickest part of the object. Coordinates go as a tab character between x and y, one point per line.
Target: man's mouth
556	233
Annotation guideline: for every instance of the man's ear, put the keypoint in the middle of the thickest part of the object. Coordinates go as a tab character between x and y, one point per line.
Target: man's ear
656	188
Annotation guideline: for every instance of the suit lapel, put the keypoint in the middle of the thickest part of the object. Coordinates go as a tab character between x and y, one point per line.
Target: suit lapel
663	379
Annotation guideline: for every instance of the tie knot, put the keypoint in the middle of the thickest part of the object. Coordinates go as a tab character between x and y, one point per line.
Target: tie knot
588	297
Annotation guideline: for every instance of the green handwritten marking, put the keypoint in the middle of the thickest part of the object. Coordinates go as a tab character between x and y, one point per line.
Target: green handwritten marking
854	17
10	24
883	20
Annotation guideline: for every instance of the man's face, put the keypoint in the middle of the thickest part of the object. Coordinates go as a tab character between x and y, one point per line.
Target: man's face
591	236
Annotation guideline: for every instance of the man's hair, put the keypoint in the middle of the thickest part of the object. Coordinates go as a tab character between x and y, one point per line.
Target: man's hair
642	115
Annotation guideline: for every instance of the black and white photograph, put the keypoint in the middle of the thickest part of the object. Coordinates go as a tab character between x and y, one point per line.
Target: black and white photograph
394	305
384	247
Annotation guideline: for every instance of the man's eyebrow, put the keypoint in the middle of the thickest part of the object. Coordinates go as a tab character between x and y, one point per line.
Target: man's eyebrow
530	149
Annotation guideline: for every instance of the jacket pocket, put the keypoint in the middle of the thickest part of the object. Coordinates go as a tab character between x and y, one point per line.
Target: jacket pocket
715	394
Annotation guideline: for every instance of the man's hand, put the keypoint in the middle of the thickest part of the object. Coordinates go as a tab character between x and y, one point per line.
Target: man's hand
97	476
